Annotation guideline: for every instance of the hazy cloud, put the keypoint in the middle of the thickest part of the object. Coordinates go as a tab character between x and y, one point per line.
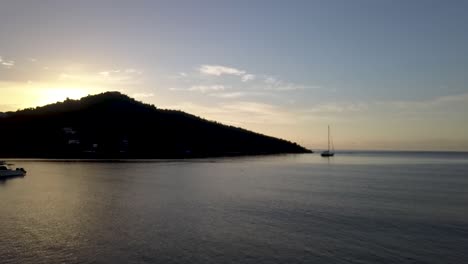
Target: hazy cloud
200	88
240	113
259	113
256	84
218	70
249	84
248	77
434	102
133	71
274	84
230	95
206	88
6	63
403	109
113	77
120	73
104	73
335	108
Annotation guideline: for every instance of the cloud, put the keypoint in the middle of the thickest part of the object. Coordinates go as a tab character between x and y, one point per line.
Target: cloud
200	88
248	77
258	113
336	108
104	73
181	76
6	63
409	109
206	88
132	71
433	102
112	77
270	80
274	84
229	95
218	70
120	72
239	113
248	84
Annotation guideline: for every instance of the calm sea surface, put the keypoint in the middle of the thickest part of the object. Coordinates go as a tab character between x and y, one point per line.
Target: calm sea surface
353	208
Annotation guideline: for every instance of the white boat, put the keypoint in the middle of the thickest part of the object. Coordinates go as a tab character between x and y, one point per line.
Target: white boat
329	153
6	172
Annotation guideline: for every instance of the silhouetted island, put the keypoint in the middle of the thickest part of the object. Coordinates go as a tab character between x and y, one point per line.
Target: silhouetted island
113	125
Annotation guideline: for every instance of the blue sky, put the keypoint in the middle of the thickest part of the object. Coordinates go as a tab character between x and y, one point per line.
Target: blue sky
384	74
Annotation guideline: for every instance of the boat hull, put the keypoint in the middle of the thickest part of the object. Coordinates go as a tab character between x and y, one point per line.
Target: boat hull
12	173
327	154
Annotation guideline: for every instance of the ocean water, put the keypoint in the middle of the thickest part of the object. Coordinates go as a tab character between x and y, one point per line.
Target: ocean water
375	207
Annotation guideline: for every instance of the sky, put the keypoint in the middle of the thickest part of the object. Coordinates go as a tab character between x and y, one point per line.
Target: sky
390	75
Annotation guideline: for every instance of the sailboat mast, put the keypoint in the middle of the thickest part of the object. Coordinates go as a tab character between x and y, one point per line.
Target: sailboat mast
328	138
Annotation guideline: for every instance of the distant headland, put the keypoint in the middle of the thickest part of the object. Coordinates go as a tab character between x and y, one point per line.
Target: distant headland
113	125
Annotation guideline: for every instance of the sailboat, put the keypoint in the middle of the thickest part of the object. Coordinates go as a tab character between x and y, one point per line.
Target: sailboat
328	153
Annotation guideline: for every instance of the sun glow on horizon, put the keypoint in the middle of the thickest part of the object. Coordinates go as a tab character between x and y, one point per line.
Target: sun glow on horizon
50	94
53	95
18	96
